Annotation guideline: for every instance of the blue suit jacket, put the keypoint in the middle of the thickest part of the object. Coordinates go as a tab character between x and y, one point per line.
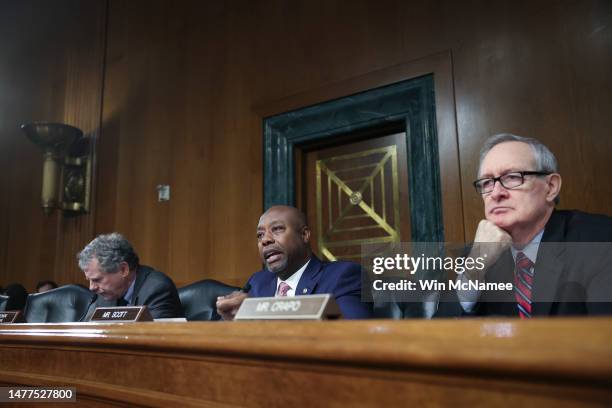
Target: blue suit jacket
341	279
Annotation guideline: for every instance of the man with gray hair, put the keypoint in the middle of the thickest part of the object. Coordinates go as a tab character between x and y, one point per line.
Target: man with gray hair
115	275
554	260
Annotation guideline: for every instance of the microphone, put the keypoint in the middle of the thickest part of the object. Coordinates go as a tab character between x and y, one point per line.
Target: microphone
246	288
94	297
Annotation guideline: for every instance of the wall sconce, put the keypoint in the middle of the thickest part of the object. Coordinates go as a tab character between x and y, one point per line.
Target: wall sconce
66	165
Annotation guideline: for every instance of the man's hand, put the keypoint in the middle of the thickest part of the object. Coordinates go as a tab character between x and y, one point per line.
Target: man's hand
489	243
227	306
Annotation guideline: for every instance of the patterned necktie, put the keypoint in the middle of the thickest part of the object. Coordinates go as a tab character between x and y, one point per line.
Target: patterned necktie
283	288
523	281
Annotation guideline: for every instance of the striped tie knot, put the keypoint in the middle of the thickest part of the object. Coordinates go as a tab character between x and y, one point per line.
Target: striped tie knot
522	262
283	288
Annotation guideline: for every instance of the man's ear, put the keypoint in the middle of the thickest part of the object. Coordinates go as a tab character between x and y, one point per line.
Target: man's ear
124	269
553	183
306	234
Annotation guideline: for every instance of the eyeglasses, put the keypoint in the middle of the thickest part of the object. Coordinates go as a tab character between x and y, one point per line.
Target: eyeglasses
508	180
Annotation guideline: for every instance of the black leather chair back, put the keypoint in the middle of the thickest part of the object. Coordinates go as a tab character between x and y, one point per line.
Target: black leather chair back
17	296
64	304
199	299
3	302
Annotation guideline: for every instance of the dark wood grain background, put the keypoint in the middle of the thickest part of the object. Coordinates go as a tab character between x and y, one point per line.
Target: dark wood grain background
173	92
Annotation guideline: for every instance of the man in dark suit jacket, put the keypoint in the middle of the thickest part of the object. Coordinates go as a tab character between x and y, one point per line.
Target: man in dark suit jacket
291	269
541	251
112	268
573	271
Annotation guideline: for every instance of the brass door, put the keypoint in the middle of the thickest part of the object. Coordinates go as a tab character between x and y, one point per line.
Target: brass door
355	194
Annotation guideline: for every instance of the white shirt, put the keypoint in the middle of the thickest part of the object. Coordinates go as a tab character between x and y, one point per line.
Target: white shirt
530	250
292	281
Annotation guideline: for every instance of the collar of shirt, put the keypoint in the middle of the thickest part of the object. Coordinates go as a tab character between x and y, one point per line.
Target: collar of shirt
293	280
130	292
531	249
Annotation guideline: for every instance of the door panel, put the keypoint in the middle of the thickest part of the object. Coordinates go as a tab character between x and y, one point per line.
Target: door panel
357	193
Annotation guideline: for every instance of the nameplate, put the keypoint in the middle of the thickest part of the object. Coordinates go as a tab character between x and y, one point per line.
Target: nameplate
307	307
121	314
11	317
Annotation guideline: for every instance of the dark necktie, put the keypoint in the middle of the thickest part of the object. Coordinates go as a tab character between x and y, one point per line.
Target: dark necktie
523	282
122	302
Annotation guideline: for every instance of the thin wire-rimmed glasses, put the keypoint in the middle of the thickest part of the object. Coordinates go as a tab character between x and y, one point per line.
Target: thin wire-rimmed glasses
509	180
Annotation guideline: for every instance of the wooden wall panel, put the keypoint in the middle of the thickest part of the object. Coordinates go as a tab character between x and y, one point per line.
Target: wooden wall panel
183	82
539	69
182	118
83	105
52	64
26	94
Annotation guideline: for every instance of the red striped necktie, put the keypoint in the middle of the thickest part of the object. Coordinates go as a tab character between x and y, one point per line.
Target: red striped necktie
523	282
283	288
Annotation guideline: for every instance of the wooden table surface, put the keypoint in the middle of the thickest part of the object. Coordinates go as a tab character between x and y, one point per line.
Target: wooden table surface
473	362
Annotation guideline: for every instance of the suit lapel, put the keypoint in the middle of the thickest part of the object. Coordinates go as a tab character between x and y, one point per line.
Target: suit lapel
548	270
264	284
549	265
310	278
500	302
141	275
270	287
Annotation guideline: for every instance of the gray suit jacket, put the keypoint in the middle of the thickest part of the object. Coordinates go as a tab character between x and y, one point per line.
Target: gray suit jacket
153	289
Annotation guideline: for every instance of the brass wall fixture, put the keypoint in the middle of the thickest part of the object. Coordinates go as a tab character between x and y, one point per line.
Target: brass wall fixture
67	165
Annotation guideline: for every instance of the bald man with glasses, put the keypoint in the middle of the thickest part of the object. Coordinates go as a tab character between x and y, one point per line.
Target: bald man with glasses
557	262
